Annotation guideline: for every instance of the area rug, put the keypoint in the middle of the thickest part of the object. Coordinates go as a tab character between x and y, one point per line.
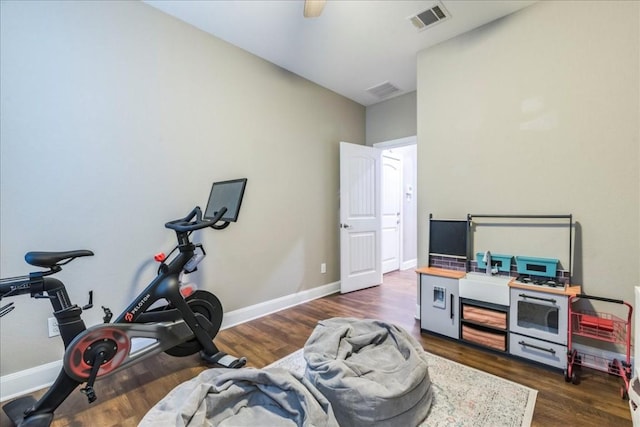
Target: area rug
463	396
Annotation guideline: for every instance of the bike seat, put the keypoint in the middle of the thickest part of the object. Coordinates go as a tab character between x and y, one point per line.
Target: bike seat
50	259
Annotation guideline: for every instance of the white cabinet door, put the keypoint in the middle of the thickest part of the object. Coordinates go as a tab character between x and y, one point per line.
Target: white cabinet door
439	306
546	352
540	315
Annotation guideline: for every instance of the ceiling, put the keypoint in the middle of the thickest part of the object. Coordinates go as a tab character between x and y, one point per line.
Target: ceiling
353	46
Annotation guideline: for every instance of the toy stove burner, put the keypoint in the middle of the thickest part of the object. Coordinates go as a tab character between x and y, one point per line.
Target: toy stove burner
540	281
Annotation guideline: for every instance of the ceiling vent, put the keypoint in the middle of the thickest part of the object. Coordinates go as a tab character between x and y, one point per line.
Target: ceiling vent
429	17
383	90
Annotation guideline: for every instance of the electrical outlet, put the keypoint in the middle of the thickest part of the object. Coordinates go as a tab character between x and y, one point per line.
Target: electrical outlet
323	268
53	327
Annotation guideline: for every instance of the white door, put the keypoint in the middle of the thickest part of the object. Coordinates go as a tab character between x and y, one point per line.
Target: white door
391	214
360	217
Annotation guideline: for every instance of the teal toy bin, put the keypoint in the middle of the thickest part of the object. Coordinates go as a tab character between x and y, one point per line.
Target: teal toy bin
502	262
546	267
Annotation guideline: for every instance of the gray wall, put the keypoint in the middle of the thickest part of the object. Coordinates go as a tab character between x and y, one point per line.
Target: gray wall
116	118
538	113
391	119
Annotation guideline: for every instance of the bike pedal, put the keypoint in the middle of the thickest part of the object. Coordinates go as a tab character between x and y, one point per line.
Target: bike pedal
90	393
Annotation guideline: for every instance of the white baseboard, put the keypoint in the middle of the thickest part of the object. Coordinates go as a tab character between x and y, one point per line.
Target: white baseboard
29	380
245	314
407	265
39	377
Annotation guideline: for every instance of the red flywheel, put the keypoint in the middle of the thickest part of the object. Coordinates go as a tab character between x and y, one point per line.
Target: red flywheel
111	343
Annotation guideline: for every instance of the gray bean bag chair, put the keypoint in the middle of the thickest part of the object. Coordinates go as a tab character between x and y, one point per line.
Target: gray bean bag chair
242	397
373	373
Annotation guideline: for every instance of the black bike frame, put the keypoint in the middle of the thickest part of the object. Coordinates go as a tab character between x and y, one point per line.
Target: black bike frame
166	285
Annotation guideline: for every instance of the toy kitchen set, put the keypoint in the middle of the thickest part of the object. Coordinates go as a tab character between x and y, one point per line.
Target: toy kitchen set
515	304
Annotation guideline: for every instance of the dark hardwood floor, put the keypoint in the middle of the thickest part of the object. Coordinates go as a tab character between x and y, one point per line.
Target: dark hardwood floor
124	397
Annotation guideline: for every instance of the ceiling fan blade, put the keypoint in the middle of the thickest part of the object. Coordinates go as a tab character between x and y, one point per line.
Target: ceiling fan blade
313	8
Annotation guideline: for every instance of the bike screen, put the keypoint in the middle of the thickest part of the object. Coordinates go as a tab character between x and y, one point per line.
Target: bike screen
226	194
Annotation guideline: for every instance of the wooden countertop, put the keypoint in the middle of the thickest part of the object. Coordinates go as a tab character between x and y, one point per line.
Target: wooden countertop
435	271
571	290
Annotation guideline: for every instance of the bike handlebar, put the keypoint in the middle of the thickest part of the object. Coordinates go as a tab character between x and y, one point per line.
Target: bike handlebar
36	283
188	224
54	260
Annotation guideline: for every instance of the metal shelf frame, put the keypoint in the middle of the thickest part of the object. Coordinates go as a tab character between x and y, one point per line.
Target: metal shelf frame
568	217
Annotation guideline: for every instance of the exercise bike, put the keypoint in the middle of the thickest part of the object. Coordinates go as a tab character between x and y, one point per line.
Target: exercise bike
181	325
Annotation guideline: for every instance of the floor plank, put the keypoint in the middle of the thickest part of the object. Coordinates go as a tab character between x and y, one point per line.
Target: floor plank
124	397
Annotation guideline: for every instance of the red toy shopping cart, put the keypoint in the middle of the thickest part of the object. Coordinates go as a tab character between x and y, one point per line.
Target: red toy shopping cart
602	327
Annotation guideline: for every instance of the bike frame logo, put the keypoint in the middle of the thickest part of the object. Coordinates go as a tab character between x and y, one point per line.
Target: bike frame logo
129	316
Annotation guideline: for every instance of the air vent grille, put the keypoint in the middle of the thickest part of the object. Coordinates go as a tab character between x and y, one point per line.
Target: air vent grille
429	17
383	90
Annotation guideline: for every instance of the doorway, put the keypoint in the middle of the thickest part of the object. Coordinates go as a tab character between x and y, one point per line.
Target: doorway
391	210
399	210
